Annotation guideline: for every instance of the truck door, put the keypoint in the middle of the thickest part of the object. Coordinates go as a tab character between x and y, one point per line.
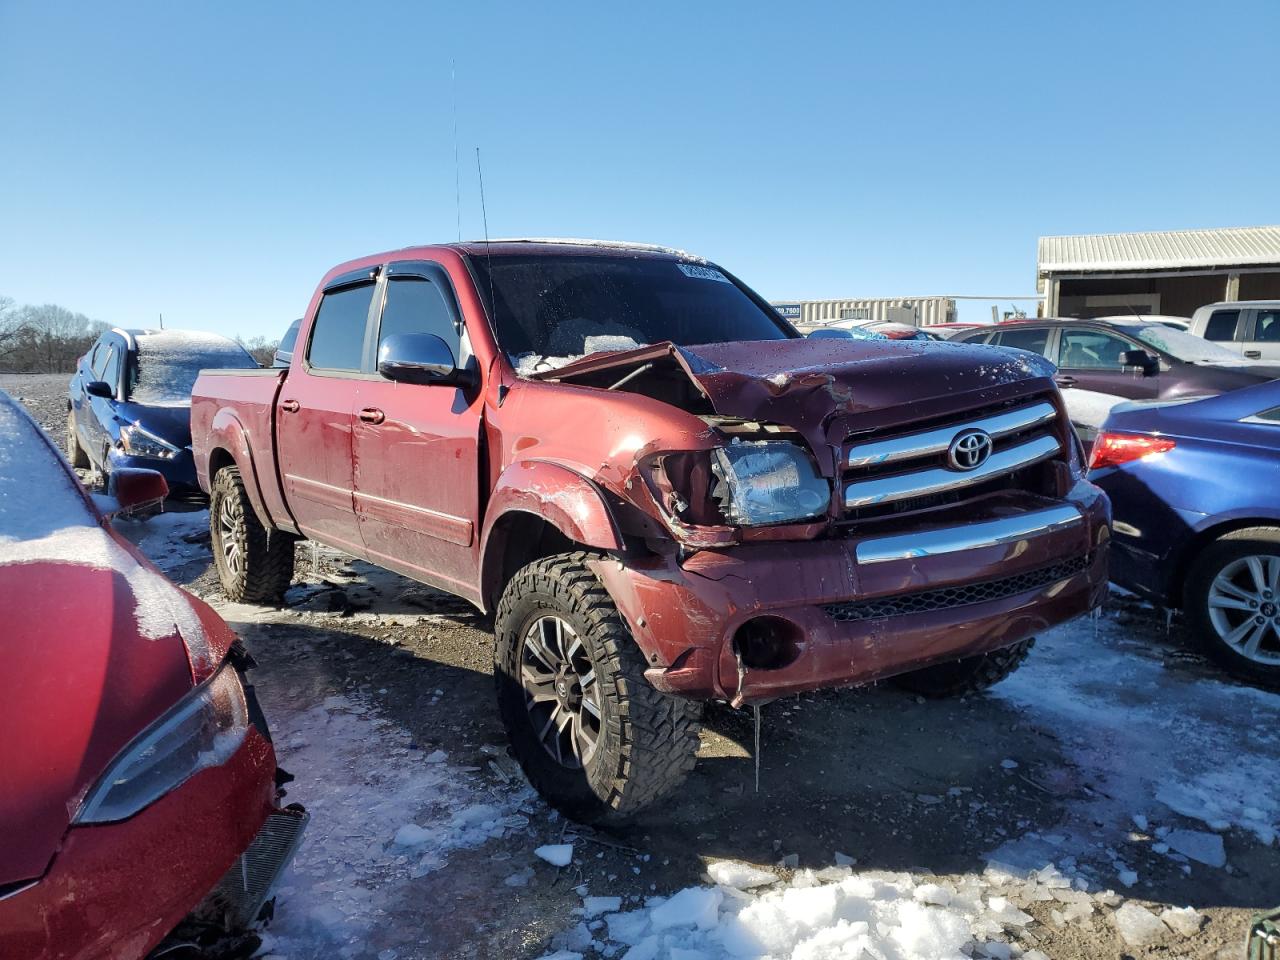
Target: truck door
314	415
1261	336
417	473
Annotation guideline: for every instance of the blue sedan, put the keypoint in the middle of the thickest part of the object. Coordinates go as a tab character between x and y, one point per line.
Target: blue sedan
129	401
1195	493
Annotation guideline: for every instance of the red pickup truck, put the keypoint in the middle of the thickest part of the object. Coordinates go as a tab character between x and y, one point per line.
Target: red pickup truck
665	493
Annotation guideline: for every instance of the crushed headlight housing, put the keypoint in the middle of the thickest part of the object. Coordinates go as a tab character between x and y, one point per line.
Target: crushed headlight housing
202	730
768	481
137	442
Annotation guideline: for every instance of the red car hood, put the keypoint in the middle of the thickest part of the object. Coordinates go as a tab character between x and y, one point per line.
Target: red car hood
96	645
825	388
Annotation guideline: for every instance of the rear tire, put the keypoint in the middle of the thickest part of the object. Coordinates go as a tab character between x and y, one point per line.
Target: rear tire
255	565
1225	598
75	453
963	677
592	735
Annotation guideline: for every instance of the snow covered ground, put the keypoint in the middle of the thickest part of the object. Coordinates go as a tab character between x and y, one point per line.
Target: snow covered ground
1133	829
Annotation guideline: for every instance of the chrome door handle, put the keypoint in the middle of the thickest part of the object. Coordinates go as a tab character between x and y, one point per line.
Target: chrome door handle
1065	381
372	415
290	406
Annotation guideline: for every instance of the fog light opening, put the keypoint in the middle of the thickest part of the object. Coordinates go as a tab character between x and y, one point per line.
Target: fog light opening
767	643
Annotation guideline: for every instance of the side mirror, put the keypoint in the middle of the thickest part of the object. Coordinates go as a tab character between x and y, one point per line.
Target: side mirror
100	388
134	488
1140	360
420	358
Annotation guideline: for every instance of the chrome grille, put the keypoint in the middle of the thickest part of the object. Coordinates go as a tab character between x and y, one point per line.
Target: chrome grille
892	470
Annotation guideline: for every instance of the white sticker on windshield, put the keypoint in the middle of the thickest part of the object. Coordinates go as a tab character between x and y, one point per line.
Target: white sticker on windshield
702	273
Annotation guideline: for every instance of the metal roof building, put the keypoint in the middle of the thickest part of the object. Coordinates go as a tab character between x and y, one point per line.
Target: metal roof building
917	311
1169	272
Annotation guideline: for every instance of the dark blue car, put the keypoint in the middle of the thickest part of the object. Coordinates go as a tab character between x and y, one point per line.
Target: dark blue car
1195	493
129	402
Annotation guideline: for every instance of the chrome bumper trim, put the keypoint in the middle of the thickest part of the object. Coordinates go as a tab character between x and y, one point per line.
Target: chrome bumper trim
937	441
923	483
990	533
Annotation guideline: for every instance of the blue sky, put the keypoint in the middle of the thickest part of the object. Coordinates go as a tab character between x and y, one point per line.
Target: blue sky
211	160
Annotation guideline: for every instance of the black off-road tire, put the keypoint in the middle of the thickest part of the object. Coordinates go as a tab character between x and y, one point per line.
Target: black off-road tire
75	453
260	568
960	678
1212	560
647	741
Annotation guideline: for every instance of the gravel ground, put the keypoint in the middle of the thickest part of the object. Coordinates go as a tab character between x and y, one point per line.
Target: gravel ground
1099	758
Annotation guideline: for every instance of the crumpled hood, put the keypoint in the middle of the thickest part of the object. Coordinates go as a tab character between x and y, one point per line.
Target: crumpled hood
827	389
96	646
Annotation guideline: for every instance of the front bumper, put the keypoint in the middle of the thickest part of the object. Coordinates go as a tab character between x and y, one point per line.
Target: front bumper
179	471
867	607
116	890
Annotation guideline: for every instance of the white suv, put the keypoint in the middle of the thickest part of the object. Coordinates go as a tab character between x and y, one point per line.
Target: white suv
1251	327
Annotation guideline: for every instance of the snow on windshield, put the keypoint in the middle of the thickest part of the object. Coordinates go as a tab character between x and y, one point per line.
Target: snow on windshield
1183	345
170	360
44	519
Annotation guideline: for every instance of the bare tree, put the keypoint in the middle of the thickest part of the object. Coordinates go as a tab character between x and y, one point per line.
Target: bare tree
262	348
43	339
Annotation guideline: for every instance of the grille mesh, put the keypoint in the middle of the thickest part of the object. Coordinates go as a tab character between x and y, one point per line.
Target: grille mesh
245	887
946	598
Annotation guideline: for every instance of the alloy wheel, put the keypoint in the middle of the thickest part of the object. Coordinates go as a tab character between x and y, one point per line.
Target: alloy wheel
560	689
1244	607
228	539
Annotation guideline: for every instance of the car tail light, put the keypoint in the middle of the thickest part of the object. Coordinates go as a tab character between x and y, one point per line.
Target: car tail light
1114	449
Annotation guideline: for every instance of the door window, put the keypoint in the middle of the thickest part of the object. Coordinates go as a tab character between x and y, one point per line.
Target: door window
415	305
111	367
1091	350
1033	340
98	362
337	335
1266	326
1222	325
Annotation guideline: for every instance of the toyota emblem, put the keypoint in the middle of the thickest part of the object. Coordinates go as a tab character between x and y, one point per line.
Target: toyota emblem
969	450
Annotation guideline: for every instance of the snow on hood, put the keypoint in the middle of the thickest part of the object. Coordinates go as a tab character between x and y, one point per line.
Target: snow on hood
44	518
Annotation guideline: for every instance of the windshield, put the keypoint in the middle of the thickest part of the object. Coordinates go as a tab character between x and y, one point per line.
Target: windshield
168	362
1182	345
551	310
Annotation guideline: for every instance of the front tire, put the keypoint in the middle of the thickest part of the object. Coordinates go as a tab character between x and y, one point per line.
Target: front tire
75	453
961	678
1232	602
255	565
591	734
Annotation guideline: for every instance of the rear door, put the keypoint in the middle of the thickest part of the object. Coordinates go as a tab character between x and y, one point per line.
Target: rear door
1093	378
1261	333
314	414
1226	329
417	467
97	422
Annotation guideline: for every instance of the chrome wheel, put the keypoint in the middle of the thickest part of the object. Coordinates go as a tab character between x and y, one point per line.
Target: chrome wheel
560	690
1244	607
228	539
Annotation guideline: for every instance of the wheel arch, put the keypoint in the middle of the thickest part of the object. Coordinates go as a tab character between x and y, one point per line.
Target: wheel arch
228	446
1186	557
539	509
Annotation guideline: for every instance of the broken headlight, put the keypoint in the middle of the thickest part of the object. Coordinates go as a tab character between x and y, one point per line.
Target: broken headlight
767	481
202	730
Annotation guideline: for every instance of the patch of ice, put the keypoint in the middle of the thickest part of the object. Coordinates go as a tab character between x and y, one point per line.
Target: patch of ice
1202	847
742	876
594	906
556	854
1137	925
1184	921
691	907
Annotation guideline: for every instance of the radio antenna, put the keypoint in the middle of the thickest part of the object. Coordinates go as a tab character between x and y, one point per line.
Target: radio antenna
457	180
484	213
